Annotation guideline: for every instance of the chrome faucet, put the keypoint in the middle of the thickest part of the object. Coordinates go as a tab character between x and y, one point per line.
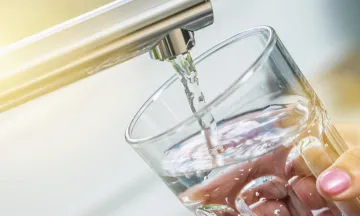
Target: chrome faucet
98	40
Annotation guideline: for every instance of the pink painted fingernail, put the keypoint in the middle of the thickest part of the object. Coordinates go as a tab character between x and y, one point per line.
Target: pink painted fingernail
334	181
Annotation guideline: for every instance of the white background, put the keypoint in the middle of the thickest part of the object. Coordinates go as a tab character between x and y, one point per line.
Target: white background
64	154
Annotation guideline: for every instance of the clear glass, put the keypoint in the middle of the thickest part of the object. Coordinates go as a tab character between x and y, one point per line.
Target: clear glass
274	134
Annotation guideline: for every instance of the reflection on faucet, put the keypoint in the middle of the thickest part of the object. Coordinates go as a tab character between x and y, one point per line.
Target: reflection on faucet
96	41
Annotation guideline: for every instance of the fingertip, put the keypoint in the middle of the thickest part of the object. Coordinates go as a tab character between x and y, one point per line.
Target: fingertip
333	183
341	182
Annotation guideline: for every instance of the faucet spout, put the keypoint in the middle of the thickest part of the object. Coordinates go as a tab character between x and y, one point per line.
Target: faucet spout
177	42
96	41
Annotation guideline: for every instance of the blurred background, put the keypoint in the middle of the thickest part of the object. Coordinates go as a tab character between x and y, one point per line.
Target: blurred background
64	153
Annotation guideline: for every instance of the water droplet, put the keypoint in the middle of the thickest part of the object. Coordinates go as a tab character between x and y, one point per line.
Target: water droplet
236	179
262	199
250	169
205	178
277	212
280	84
185	199
257	194
247	142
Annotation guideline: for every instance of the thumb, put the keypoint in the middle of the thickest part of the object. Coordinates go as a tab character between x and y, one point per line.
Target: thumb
341	181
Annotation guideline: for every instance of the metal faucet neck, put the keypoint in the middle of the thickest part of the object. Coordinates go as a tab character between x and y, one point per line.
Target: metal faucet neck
177	42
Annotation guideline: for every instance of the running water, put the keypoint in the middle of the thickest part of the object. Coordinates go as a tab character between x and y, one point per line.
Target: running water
185	67
244	137
261	148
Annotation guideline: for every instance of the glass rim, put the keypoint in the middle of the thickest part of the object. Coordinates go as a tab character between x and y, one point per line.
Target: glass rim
270	43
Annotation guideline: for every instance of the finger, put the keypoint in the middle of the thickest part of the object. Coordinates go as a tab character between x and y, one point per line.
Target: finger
317	158
342	180
325	212
271	190
272	164
297	167
295	206
315	155
334	209
306	192
270	208
348	208
290	119
305	189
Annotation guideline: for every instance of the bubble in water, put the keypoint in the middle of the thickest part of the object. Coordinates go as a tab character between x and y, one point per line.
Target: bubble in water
205	178
262	199
280	84
257	194
185	199
248	142
266	145
277	212
257	138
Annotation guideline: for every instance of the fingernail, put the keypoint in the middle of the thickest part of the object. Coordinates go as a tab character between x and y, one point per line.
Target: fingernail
334	181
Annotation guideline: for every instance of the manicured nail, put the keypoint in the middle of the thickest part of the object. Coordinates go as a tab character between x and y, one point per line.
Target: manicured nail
335	181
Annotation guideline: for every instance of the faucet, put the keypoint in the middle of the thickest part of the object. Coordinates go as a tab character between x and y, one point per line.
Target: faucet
96	41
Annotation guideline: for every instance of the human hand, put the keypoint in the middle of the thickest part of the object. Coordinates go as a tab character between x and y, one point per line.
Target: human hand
291	191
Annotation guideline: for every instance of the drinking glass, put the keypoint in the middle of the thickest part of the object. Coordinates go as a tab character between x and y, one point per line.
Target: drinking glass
274	136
